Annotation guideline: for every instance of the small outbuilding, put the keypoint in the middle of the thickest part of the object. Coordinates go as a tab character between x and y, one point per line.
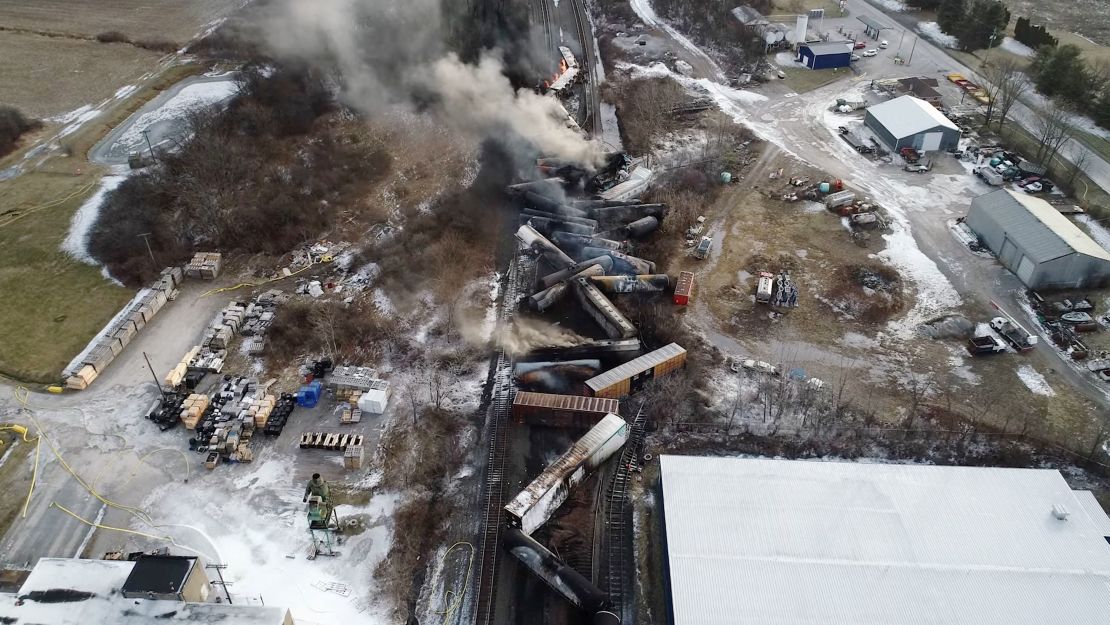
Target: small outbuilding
826	55
1032	239
909	122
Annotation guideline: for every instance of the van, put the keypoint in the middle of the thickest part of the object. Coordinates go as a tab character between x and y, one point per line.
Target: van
883	44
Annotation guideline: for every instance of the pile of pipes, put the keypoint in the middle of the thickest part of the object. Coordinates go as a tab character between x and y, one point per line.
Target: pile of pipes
123	328
786	292
204	265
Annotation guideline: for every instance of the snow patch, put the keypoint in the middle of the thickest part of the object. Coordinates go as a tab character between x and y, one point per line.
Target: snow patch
76	243
786	59
1013	46
1034	381
79	121
190	97
1097	231
932	31
125	91
891	5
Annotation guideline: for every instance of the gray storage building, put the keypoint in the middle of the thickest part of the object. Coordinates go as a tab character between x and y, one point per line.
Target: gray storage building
908	122
1036	242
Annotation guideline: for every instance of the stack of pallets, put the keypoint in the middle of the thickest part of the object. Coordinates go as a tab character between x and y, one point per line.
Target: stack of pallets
353	456
279	416
204	265
331	441
192	409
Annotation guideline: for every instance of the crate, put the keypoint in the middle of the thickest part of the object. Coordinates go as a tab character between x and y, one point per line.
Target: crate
212	460
353	456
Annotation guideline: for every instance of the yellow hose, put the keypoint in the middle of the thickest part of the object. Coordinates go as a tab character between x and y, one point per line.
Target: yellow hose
253	284
34	477
449	594
50	204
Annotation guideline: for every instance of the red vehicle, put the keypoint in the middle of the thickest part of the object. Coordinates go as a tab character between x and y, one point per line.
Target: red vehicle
1029	180
859	45
909	154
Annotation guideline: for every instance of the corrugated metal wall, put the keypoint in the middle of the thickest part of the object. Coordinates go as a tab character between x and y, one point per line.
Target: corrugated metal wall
880	130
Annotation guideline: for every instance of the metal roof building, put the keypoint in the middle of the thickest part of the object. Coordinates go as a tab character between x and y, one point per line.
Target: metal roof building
1033	240
825	55
814	543
910	122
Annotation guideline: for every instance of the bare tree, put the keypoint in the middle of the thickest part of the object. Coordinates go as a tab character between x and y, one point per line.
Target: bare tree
1078	164
918	389
1052	130
438	389
1008	84
412	393
325	319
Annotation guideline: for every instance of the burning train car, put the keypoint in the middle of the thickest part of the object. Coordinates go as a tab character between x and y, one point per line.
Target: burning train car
567	74
534	505
631	376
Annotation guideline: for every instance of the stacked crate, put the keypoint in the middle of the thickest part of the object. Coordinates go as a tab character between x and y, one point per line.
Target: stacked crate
82	379
192	409
204	265
177	374
353	456
261	409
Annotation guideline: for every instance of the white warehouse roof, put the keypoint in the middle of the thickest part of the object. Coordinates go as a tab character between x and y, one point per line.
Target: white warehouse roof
1044	233
906	116
818	543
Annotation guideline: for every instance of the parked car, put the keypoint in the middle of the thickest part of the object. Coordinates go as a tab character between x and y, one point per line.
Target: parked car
859	45
883	44
917	167
871	52
854	57
758	366
1034	187
1028	181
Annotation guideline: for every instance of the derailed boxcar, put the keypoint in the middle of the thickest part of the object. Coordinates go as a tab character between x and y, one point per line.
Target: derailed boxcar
561	411
628	378
534	505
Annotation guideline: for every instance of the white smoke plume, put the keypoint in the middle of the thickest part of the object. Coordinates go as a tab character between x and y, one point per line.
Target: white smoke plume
524	335
387	52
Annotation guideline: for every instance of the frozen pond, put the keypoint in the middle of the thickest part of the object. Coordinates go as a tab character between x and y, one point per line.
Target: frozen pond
163	118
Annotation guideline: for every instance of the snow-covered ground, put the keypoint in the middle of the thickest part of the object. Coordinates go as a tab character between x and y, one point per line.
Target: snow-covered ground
173	112
932	31
1034	381
891	5
1014	46
647	14
1097	231
76	243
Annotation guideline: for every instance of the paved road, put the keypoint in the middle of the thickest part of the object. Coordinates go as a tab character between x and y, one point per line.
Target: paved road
929	56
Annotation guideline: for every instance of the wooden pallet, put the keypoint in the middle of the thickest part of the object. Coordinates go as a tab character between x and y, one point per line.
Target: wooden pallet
331	441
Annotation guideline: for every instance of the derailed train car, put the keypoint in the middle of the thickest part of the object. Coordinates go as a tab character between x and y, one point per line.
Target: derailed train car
569	583
534	505
628	378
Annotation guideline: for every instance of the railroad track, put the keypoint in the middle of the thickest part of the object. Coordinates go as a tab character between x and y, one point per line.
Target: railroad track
521	273
546	18
592	122
619	522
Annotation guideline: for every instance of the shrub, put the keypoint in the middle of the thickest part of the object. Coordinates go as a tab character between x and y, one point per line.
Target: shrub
113	36
164	46
12	125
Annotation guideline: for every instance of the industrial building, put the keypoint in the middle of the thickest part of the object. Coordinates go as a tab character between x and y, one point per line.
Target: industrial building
908	122
1032	239
148	591
826	55
752	540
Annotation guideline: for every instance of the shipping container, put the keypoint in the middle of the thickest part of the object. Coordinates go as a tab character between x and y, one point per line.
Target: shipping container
684	289
561	411
629	377
534	505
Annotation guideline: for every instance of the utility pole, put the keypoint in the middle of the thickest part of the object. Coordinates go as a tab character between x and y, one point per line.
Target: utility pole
146	239
990	44
219	568
914	47
157	384
898	53
146	135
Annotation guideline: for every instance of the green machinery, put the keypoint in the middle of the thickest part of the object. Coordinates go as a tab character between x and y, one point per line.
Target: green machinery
323	525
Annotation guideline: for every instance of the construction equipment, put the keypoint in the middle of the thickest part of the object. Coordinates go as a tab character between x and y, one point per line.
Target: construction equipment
323	525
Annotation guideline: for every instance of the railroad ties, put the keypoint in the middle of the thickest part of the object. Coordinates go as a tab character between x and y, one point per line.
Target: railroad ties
520	278
618	521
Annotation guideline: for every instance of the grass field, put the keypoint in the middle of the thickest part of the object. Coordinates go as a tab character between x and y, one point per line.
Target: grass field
52	305
176	20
